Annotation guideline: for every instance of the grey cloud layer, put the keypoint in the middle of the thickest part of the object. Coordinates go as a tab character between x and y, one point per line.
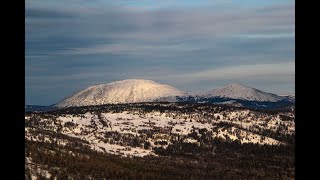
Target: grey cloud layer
149	28
92	44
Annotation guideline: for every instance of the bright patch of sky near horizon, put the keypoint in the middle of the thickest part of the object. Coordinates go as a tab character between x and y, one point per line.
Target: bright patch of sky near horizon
191	45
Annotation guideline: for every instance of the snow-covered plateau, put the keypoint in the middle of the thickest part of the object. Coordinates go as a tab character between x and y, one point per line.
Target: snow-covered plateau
136	129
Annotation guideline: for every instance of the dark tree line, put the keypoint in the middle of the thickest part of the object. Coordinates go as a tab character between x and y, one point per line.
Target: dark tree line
178	161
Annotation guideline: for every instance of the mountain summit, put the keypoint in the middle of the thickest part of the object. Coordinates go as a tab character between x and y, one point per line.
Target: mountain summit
239	91
125	91
140	90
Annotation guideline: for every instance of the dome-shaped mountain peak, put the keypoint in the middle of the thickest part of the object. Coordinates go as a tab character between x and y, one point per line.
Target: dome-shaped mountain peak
125	91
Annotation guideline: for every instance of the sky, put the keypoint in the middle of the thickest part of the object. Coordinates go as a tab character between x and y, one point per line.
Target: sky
194	46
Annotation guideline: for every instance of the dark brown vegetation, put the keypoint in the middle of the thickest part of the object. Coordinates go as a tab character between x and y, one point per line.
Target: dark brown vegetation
178	161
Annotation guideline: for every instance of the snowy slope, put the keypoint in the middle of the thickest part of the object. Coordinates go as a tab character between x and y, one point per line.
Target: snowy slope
290	98
113	132
126	91
239	91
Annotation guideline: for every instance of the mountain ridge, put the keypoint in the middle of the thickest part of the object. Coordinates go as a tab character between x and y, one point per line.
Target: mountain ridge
243	92
141	90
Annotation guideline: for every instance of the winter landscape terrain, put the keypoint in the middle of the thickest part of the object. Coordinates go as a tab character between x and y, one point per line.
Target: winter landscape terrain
140	129
140	90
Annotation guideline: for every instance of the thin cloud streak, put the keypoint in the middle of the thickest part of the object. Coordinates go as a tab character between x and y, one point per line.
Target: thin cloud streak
241	71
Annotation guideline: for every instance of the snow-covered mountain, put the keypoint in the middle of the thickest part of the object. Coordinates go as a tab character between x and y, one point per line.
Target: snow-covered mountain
139	90
290	98
125	91
242	92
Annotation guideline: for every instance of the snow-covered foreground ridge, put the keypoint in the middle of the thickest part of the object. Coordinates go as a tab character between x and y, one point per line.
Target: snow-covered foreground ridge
137	130
139	90
126	91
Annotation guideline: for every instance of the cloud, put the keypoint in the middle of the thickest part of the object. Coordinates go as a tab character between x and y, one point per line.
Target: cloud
76	43
132	49
253	71
149	27
267	36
